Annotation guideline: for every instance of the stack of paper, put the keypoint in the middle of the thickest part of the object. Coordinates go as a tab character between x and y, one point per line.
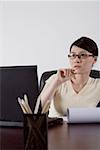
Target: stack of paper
84	115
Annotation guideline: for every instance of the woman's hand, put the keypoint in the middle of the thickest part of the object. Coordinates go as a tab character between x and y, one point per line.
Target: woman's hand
64	75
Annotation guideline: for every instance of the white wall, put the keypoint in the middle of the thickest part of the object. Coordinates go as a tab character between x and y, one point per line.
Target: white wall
40	32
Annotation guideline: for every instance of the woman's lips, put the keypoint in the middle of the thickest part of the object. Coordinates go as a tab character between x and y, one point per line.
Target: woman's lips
76	66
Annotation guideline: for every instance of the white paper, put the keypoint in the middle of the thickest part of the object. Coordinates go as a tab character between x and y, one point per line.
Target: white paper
84	115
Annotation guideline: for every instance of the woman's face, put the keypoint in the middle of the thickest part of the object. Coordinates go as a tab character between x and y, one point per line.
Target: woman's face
81	61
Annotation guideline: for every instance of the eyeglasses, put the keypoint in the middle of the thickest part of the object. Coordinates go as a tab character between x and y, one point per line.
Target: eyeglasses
80	56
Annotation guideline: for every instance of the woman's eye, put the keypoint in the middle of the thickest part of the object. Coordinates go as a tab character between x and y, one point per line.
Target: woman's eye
73	55
83	54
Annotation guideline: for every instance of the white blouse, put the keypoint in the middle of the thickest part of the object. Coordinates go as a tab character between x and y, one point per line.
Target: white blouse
66	97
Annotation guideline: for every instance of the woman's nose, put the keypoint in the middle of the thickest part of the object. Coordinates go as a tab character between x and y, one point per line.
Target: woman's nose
77	60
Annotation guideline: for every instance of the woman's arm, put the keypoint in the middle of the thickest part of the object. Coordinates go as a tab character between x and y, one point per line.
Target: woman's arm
51	86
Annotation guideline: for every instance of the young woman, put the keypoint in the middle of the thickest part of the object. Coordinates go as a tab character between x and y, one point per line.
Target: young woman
72	87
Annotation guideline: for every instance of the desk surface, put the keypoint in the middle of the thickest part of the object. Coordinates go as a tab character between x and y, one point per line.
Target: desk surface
62	137
74	137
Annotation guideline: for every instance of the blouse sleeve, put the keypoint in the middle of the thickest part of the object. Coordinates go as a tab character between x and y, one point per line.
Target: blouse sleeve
52	110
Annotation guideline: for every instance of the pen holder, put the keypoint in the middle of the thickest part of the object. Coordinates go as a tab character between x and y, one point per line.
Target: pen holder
35	132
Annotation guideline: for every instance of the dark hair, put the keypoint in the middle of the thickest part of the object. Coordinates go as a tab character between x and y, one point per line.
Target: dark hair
87	44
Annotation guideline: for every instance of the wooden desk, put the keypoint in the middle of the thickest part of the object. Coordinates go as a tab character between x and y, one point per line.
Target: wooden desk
11	138
74	137
62	137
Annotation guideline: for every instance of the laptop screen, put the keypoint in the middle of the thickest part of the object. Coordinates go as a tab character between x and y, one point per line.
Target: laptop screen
16	81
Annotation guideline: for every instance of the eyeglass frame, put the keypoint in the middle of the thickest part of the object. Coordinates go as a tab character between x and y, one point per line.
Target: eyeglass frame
80	56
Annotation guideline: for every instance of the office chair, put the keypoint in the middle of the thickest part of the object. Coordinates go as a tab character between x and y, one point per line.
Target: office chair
47	74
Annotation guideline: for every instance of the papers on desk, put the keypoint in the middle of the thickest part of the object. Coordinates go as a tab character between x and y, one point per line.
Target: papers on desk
83	115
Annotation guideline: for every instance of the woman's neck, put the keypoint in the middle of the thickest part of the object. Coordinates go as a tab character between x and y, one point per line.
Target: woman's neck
79	81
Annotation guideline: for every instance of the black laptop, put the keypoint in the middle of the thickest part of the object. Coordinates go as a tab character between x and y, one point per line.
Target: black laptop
16	81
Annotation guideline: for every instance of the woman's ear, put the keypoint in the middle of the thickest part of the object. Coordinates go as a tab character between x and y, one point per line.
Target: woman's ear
95	59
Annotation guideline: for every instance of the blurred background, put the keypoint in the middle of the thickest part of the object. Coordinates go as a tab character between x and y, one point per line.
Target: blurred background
41	32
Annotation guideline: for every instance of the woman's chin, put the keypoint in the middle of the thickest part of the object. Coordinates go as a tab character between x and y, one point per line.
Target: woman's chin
78	72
